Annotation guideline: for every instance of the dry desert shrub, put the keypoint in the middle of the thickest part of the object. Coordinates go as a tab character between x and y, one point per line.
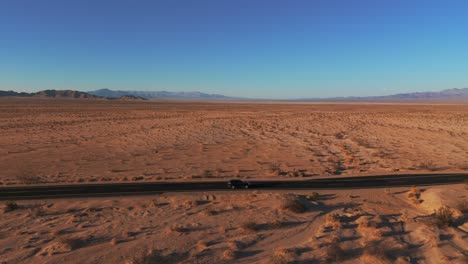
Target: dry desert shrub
114	241
275	168
202	244
340	135
189	203
368	228
207	174
70	244
335	253
249	225
10	206
144	257
235	245
208	212
333	220
376	249
178	228
229	255
314	197
283	256
462	206
37	210
293	204
414	195
428	165
444	216
27	177
464	166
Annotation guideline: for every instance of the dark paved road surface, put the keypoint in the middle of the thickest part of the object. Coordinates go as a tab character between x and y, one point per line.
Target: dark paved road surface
125	189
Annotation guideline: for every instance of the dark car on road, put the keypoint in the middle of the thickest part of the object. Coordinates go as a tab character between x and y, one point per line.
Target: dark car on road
237	184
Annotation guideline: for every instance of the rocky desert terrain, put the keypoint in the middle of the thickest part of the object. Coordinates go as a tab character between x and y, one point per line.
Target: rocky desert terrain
82	141
398	225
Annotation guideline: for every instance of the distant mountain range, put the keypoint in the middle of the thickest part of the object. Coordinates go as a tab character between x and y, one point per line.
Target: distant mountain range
163	95
66	94
445	95
456	95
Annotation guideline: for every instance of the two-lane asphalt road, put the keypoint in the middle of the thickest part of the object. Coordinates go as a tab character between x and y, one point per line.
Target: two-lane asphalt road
120	189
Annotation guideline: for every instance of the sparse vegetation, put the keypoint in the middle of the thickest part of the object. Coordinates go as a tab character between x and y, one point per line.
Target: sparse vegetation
37	210
444	217
375	248
229	255
293	204
315	196
249	225
333	220
70	243
283	256
145	257
10	206
178	228
114	241
207	174
27	177
275	168
335	253
462	206
428	165
414	195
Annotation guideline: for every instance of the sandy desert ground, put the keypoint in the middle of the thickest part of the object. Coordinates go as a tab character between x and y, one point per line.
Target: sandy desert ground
335	226
79	141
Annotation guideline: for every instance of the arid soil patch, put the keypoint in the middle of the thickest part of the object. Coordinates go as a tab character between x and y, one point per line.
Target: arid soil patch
346	226
79	141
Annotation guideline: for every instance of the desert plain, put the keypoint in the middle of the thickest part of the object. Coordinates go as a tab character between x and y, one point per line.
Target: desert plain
83	141
89	141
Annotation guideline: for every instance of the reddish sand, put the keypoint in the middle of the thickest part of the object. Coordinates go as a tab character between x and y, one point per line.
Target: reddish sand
337	226
75	141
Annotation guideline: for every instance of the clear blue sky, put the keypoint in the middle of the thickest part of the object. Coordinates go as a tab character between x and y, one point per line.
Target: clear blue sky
267	49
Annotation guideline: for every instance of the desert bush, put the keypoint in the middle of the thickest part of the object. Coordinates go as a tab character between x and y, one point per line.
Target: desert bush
28	178
414	195
37	210
315	196
444	216
144	257
190	203
70	243
235	245
340	135
375	248
202	244
10	206
334	252
114	241
464	166
249	225
229	255
428	165
283	256
333	217
293	204
462	206
207	174
275	167
178	228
